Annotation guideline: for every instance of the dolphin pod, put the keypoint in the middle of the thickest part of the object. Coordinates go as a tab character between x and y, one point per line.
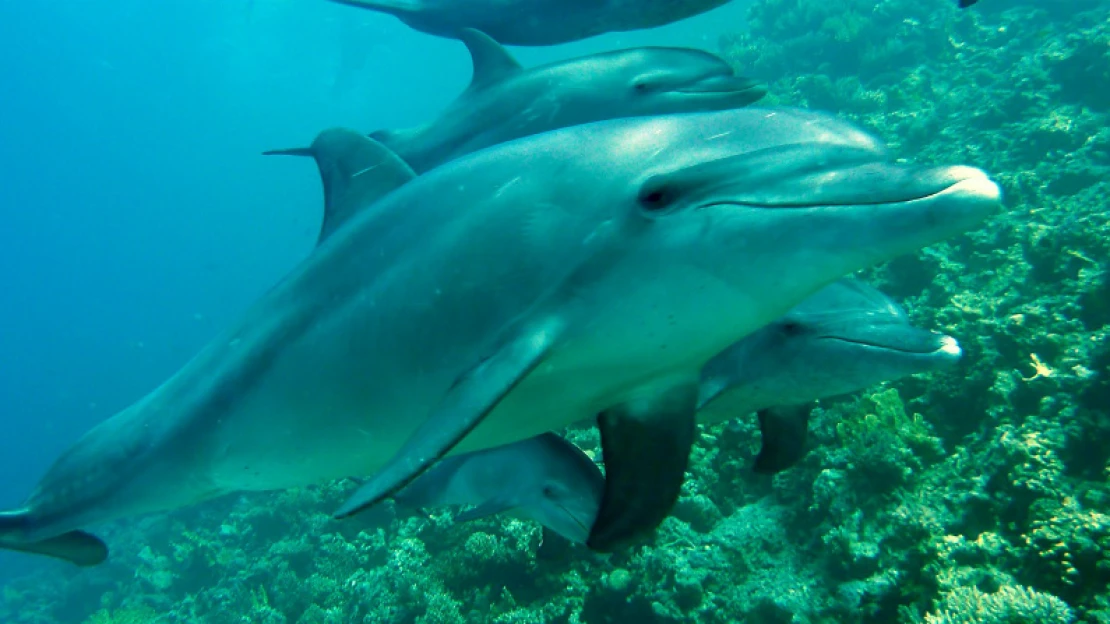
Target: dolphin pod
505	101
491	300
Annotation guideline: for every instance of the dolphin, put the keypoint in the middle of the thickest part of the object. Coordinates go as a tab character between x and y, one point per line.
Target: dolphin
844	338
544	478
506	101
535	22
591	270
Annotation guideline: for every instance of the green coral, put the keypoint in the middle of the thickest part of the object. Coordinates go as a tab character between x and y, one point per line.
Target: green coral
885	442
1008	605
127	615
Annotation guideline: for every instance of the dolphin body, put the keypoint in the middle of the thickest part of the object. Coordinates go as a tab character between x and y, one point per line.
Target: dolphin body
844	338
536	22
544	478
589	270
505	101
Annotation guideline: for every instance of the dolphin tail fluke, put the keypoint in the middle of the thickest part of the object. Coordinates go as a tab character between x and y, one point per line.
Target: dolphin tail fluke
77	547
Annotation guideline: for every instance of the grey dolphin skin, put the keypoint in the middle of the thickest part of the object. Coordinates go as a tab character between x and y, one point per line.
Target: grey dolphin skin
844	338
506	102
591	270
536	22
544	478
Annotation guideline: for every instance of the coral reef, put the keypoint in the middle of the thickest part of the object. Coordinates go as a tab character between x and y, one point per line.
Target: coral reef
976	495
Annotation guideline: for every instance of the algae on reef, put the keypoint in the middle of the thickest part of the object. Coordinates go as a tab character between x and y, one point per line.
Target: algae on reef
976	495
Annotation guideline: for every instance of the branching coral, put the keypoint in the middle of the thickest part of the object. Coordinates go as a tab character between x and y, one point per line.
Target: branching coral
1008	605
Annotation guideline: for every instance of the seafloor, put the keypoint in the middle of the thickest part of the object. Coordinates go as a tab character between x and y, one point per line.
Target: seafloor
975	495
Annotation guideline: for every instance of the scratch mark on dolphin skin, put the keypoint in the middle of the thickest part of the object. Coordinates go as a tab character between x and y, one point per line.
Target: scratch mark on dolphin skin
720	136
366	170
504	187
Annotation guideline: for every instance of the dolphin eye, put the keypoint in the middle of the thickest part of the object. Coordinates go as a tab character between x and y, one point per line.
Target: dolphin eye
654	197
548	491
791	328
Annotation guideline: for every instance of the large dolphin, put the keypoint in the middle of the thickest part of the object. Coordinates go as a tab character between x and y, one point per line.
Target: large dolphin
536	22
844	338
589	270
506	101
544	478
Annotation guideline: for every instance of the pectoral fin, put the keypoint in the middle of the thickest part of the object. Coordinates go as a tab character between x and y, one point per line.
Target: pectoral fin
646	445
77	547
464	406
784	432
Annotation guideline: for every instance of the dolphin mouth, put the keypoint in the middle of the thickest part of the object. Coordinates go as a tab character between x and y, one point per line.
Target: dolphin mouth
725	84
869	185
941	346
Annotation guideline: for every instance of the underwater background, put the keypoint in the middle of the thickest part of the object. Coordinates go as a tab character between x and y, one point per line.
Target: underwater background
141	219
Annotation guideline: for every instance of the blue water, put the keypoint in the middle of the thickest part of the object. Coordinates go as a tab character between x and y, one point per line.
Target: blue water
139	218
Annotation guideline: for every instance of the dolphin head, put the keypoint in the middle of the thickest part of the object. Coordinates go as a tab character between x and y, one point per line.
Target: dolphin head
570	488
844	338
657	80
742	214
567	508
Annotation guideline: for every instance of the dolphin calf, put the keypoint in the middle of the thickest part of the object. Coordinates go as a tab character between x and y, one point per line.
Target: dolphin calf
544	478
505	101
844	338
589	270
535	22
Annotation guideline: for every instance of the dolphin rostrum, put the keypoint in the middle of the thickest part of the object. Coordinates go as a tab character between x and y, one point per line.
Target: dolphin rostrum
544	478
589	270
536	22
844	338
506	101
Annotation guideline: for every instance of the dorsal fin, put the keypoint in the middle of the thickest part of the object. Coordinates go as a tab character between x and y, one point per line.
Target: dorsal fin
356	171
492	62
